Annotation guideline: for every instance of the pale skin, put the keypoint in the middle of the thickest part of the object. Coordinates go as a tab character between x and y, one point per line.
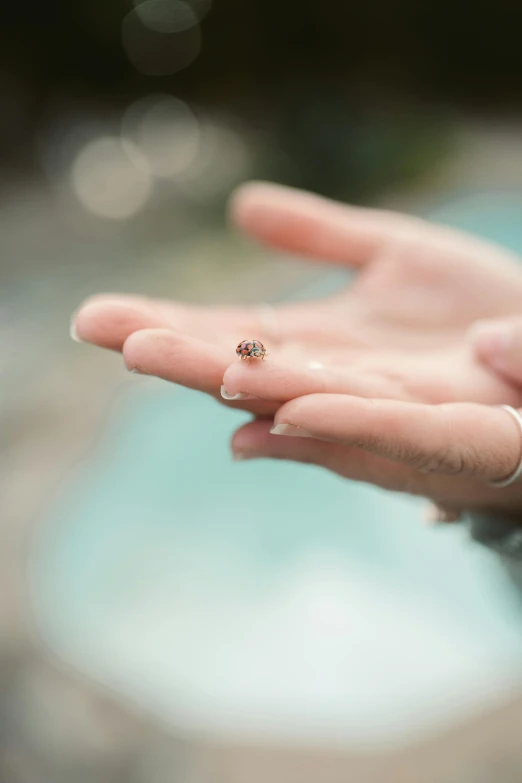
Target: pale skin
384	382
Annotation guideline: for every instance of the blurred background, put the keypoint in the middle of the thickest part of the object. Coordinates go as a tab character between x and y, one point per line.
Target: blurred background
147	633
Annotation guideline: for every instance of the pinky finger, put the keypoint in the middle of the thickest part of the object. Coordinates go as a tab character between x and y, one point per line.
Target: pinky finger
355	462
255	441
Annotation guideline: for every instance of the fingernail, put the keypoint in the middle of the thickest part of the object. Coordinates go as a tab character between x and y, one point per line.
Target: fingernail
241	456
72	330
290	429
314	365
238	396
491	339
135	371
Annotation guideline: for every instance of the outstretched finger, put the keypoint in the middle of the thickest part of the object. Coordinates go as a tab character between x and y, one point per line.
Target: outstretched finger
282	380
304	223
186	361
108	320
453	439
255	441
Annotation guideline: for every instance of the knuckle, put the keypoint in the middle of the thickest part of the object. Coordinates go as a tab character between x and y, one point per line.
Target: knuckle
453	457
450	458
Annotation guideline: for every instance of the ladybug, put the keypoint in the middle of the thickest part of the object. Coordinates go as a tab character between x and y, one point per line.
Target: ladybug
251	349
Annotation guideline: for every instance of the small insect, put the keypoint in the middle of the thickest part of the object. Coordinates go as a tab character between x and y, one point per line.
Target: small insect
251	349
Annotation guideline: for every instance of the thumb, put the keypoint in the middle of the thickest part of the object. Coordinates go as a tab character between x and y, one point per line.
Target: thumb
498	343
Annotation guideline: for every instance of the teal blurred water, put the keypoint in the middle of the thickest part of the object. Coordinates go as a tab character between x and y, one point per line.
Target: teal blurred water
267	599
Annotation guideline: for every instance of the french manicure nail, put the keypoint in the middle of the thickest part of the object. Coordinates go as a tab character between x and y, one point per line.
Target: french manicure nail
238	396
72	331
290	429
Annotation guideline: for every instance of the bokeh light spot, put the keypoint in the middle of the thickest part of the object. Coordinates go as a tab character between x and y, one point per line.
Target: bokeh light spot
199	7
224	160
161	37
166	16
106	180
164	131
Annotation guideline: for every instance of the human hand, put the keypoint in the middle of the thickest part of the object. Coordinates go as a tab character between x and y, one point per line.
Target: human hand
397	332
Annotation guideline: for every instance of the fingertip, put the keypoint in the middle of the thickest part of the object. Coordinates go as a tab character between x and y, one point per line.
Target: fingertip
73	331
241	202
145	343
248	196
266	210
251	436
321	414
230	377
308	404
176	357
88	320
105	320
226	395
240	376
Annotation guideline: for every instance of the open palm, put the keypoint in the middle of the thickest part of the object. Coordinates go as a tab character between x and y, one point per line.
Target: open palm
398	332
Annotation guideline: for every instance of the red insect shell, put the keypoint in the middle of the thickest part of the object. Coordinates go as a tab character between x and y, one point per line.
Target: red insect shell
251	349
